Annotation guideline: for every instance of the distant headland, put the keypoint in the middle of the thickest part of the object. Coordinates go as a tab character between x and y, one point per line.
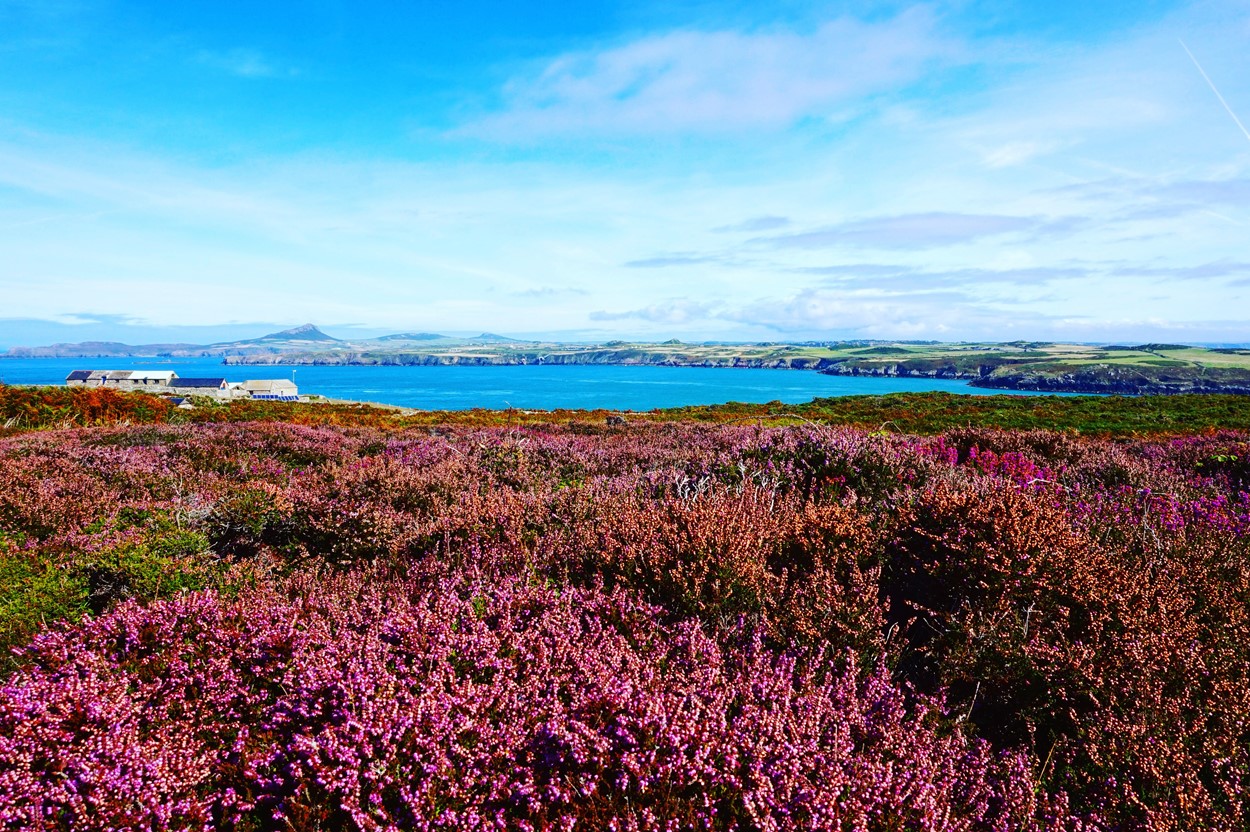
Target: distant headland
1017	365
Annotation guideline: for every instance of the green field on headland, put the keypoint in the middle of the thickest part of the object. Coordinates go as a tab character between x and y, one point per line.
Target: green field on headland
1019	365
1139	369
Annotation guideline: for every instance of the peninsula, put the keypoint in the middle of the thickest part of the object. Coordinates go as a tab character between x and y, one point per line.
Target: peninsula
1018	365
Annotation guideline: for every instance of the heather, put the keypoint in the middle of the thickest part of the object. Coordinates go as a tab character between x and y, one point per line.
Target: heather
32	408
665	624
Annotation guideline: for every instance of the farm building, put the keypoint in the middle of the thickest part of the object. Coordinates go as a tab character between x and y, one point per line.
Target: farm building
168	383
278	390
121	379
217	387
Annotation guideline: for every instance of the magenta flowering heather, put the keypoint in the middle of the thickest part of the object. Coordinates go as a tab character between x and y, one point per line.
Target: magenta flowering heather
654	626
373	705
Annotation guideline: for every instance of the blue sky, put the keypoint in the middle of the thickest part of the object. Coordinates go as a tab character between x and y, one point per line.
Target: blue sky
947	170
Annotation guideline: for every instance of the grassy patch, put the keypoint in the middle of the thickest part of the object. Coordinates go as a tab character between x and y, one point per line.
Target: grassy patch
34	593
38	588
928	413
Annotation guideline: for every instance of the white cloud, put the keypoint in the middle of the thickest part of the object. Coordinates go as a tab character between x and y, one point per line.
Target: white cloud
246	63
949	315
1017	152
764	223
665	260
671	311
711	81
967	191
919	231
865	312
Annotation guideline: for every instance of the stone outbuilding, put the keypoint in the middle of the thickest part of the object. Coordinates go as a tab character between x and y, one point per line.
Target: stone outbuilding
121	379
166	382
216	387
275	390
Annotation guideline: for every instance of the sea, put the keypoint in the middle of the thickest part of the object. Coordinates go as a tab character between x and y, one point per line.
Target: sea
535	387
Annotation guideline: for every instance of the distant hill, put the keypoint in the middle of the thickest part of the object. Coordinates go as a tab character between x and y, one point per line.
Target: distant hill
412	336
1073	368
307	332
305	338
300	337
1023	365
1148	347
104	349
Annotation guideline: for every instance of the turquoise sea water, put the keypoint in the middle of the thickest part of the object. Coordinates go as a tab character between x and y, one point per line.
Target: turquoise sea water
532	388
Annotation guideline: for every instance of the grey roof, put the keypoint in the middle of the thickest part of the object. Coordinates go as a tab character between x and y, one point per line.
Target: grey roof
152	375
197	382
133	375
122	375
268	384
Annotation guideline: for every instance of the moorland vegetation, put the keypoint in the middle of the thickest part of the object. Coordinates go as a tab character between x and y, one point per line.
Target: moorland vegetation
883	613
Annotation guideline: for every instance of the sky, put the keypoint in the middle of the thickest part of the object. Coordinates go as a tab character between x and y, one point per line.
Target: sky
952	170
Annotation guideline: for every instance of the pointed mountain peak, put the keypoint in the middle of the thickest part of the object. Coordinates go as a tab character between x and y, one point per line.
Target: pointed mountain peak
307	332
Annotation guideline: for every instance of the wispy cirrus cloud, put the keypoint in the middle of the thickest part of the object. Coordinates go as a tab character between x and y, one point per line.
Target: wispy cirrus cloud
719	161
754	224
674	311
1200	271
549	292
947	314
716	80
863	312
852	271
1230	190
919	231
664	261
245	63
912	278
883	275
1012	153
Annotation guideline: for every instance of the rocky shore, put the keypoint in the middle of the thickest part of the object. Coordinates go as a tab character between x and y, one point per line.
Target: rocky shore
1107	379
1123	381
626	357
998	375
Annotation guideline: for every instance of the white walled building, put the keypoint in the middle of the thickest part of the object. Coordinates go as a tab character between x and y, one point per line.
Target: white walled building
216	387
164	382
277	389
121	379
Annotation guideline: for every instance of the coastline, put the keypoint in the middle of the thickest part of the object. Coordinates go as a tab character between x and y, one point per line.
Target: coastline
1014	367
1097	379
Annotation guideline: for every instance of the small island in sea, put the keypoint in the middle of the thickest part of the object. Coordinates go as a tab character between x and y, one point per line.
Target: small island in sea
1127	369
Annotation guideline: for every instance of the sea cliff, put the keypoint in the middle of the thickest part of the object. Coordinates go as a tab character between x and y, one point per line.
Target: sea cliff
992	372
622	357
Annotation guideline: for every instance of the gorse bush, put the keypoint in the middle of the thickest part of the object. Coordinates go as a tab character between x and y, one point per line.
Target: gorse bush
22	407
655	626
